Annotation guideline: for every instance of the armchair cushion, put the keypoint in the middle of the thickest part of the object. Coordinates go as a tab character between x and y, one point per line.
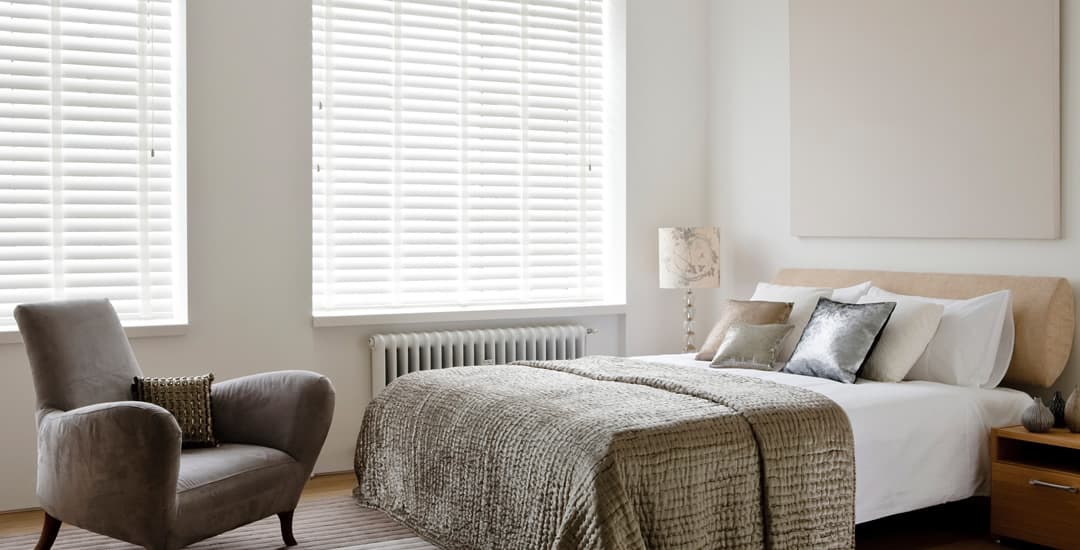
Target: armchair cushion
203	467
187	398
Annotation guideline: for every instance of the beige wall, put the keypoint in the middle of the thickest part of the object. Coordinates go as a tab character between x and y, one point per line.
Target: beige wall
749	182
249	242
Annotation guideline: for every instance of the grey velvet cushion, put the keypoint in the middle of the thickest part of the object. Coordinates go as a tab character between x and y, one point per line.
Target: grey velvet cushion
751	346
838	338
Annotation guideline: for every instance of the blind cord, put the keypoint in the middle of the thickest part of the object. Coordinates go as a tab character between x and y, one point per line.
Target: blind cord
150	50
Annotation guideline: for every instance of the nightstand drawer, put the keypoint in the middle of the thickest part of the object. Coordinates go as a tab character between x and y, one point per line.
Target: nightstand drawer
1036	505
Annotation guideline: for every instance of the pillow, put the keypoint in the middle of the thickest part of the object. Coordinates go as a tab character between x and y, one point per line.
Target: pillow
903	340
742	311
1003	357
187	398
838	339
973	344
850	294
803	300
750	346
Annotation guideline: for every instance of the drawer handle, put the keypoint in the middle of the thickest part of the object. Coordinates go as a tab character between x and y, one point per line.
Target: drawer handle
1037	483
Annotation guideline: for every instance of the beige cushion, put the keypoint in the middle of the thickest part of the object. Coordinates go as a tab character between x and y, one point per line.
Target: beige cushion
903	340
751	346
804	298
742	311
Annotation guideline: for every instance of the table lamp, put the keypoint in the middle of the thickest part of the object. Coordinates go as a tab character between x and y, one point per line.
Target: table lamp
689	259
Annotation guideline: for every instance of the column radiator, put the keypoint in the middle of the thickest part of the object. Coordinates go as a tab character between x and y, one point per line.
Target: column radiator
394	355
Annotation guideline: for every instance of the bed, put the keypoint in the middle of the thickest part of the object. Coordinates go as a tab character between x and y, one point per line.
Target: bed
590	452
917	444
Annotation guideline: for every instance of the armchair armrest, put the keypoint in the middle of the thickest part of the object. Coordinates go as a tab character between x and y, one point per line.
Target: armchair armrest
110	467
286	410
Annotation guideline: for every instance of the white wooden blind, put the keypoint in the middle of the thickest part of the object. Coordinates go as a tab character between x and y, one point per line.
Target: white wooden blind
88	185
459	155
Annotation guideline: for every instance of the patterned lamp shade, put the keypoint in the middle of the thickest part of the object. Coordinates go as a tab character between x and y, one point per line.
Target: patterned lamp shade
689	257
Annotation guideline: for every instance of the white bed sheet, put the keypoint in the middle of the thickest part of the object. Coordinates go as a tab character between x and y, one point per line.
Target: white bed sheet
917	444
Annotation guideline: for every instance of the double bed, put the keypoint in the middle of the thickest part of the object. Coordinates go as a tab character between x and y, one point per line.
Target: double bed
473	466
917	444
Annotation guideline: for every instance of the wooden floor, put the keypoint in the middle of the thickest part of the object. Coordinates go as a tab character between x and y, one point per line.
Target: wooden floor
21	523
958	526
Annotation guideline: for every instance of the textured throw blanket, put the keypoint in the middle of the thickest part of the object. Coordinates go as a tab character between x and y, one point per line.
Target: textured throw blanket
612	453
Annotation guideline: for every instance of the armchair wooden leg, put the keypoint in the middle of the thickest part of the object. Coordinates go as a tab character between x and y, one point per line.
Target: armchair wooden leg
286	528
48	533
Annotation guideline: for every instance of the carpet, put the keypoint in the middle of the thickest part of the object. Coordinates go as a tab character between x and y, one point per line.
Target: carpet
332	523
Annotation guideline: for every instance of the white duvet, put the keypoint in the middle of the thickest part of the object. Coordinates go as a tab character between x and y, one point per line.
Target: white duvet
917	444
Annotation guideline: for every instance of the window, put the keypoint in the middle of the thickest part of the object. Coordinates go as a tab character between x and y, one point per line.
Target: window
463	154
91	167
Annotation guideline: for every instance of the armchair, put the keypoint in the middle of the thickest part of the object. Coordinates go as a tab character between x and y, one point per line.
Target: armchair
116	467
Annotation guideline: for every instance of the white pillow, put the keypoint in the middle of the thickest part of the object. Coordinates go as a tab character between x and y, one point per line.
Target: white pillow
1005	349
850	294
903	340
973	344
804	300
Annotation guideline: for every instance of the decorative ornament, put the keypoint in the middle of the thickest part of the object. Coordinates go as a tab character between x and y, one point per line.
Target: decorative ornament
1072	411
1037	417
1057	406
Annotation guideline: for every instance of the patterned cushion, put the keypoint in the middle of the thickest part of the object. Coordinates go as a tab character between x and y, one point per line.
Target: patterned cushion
187	398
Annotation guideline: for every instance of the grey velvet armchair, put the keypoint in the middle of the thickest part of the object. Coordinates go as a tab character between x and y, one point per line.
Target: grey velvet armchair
116	467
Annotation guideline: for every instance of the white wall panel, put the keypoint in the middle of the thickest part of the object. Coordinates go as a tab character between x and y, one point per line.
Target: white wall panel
925	118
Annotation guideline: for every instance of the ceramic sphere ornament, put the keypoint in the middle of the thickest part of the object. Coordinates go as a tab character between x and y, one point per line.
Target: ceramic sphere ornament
1072	411
1037	417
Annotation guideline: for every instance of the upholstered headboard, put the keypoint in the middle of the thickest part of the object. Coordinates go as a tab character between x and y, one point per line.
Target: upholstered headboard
1042	308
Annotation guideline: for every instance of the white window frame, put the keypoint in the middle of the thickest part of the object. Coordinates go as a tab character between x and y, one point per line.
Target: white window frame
615	74
177	325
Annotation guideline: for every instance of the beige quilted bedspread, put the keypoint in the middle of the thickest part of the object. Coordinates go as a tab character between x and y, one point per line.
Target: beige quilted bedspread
605	452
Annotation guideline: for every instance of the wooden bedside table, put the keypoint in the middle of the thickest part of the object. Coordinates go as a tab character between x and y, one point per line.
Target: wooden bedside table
1035	486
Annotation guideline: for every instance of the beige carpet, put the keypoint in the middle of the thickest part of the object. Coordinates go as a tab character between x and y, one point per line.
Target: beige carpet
332	523
337	523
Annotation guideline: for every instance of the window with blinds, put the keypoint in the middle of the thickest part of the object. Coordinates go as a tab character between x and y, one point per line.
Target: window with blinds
460	155
90	175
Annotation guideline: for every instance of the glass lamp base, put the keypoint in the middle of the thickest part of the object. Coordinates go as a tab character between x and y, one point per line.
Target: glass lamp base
689	324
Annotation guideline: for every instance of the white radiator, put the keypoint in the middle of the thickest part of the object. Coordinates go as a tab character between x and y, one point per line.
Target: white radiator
394	355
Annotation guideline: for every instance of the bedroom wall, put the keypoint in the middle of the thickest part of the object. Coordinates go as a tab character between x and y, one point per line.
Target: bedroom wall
750	171
667	160
249	74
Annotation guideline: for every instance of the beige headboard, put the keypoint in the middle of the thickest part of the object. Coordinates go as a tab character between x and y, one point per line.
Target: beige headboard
1042	307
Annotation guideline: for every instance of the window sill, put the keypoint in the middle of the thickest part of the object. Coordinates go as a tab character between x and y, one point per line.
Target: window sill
12	336
541	311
